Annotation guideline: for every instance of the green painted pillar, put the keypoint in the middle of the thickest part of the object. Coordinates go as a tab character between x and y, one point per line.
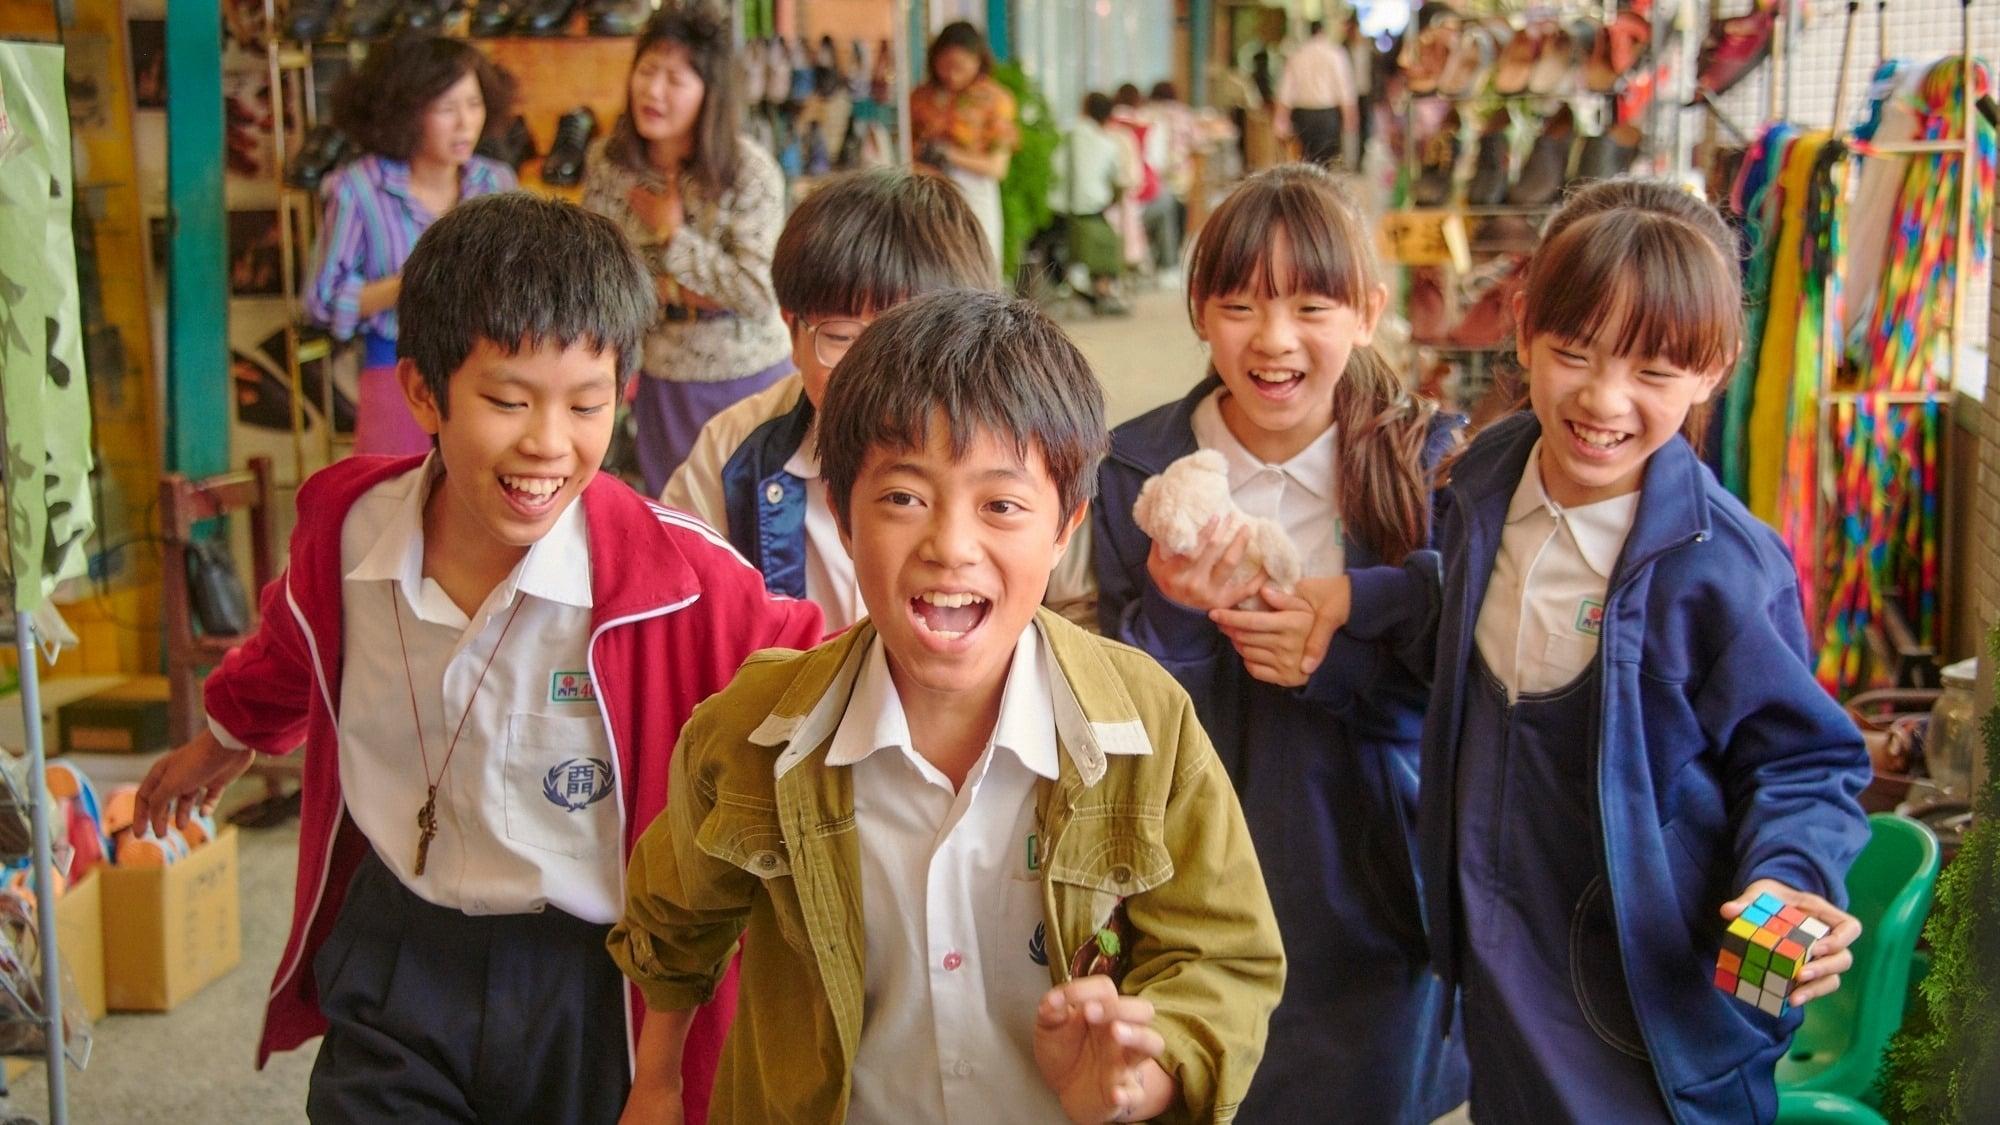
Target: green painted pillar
1201	24
1000	28
198	394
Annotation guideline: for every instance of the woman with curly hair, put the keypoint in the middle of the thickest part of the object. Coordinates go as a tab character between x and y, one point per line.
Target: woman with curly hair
704	206
416	108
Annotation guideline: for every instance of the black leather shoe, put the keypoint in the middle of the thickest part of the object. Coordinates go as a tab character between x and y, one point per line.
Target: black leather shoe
427	15
544	17
1547	166
564	166
323	149
513	146
371	19
1439	163
495	17
617	17
308	20
1489	172
1609	155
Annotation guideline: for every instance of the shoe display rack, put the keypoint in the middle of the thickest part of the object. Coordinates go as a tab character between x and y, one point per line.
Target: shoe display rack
1501	114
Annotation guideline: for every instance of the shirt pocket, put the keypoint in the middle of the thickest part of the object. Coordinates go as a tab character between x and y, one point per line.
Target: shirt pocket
745	834
559	784
1564	658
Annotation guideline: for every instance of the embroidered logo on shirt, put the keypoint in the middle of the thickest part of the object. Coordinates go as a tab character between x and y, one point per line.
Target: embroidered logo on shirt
571	687
1590	617
1038	945
1034	853
578	783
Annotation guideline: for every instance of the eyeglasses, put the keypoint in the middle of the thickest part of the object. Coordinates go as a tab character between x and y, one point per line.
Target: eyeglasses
832	338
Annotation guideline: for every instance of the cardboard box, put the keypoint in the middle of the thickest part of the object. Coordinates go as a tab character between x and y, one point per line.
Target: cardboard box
169	931
128	719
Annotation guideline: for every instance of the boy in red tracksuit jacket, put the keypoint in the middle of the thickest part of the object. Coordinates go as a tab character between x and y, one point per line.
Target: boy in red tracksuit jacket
488	653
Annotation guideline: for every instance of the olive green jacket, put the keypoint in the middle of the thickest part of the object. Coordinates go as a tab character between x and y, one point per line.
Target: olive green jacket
758	842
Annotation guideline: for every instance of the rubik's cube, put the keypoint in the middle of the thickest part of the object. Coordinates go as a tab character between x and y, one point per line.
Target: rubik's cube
1763	952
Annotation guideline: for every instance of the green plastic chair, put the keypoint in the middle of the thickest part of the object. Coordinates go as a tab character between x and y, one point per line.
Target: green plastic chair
1839	1048
1808	1107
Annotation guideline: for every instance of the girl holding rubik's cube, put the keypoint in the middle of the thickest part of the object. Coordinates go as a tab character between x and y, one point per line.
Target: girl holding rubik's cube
1631	778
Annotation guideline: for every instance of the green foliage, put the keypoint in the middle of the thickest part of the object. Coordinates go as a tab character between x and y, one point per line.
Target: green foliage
1024	194
1944	1065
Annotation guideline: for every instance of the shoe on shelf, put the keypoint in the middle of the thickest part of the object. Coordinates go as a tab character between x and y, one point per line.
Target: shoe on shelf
1434	48
1610	154
1734	48
1473	54
544	17
1425	307
1517	61
1557	65
1547	167
1619	49
1490	168
617	17
372	19
322	150
495	17
427	15
513	146
1489	319
564	165
1438	164
309	20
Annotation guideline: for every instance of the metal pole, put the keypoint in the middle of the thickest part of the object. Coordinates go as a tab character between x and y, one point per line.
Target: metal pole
45	893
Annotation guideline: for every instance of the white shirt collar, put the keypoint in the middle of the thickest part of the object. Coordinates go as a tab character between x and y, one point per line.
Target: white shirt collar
1599	529
804	462
875	720
1312	468
556	568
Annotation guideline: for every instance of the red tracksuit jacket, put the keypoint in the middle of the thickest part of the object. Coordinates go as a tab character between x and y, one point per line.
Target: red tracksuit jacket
676	611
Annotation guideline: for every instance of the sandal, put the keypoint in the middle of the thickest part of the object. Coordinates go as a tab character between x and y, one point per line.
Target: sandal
1517	62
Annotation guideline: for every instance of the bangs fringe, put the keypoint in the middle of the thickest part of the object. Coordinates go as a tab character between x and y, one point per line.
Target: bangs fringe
1641	287
1328	249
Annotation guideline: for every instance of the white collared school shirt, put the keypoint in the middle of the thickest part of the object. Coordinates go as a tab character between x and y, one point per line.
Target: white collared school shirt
1544	609
528	809
830	583
1299	494
952	902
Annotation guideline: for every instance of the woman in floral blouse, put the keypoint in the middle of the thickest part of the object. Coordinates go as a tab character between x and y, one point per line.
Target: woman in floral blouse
704	207
962	123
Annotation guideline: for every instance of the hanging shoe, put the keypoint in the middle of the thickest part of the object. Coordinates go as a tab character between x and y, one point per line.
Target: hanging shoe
427	15
564	166
818	161
1426	308
309	20
1439	164
495	17
1472	57
1610	154
513	146
1517	62
322	150
1734	48
1435	45
544	17
371	19
1619	49
1556	66
1547	166
617	17
1489	320
1489	171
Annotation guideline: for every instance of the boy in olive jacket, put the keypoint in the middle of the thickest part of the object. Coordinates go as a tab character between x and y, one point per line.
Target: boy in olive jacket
984	866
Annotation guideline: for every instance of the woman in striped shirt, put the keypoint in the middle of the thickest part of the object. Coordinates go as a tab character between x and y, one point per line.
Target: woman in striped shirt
417	106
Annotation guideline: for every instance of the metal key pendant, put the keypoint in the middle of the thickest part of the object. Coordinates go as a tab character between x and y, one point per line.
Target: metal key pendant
427	828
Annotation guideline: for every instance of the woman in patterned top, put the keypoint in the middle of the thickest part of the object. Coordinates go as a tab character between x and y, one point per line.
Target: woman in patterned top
704	207
417	107
962	123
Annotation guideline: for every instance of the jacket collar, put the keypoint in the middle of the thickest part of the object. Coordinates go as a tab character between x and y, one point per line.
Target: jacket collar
1094	715
1675	487
475	177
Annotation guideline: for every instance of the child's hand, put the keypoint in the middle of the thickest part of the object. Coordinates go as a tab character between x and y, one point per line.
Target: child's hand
188	780
1831	956
1285	644
1098	1051
1214	576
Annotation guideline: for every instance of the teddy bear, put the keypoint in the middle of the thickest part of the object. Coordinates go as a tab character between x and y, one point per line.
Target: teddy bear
1174	506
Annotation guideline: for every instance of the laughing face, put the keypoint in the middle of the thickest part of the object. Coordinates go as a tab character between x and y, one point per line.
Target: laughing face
1603	414
1280	356
524	435
953	555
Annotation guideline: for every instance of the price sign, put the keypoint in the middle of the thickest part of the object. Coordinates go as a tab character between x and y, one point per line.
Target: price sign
1426	238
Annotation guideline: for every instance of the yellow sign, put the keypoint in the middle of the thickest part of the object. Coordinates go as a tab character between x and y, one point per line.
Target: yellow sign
1426	238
